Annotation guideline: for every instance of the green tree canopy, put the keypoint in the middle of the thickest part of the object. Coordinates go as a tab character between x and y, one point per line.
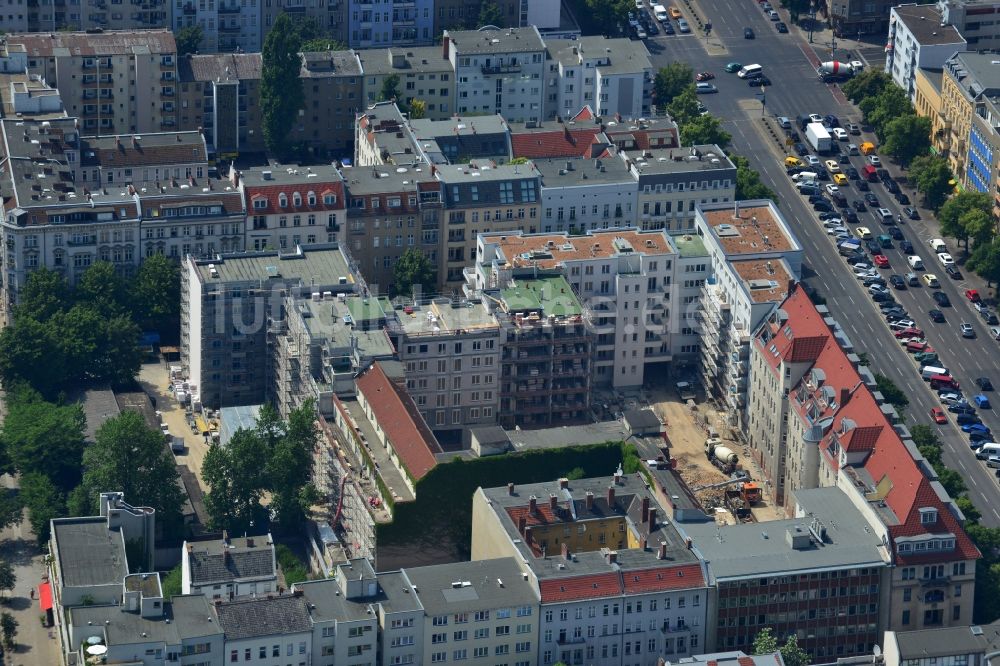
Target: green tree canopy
43	437
684	107
765	642
606	17
869	83
418	109
189	40
129	456
892	393
281	94
705	130
490	14
156	295
985	261
235	475
907	137
8	579
103	289
931	176
748	183
31	354
8	625
390	88
952	213
891	103
43	501
44	293
671	81
979	226
413	269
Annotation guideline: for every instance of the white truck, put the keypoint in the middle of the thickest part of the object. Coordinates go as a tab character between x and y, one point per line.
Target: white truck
818	138
660	12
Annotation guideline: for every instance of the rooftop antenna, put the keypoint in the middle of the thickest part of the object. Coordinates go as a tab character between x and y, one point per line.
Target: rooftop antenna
736	209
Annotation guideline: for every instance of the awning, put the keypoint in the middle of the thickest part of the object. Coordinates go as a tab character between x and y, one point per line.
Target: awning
45	596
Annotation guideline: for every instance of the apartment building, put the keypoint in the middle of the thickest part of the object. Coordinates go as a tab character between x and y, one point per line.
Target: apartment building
578	136
624	278
456	140
424	73
290	205
227	26
220	95
969	86
821	575
755	259
674	182
498	71
115	82
230	567
332	96
812	407
458	14
408	23
615	580
451	353
119	160
976	20
330	15
608	75
854	17
227	304
24	95
587	195
385	219
481	198
92	15
968	644
918	38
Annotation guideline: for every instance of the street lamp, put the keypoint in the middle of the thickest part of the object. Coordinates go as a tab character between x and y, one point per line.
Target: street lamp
763	101
812	20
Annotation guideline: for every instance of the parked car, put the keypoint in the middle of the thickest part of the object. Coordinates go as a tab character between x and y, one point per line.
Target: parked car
938	415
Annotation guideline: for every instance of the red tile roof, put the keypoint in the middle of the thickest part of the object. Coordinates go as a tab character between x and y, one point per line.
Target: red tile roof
556	143
887	458
399	419
586	113
580	587
543	516
271	192
663	578
807	349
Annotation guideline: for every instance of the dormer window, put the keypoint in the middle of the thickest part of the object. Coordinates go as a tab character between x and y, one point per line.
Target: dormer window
928	515
311	198
329	199
296	199
260	203
283	200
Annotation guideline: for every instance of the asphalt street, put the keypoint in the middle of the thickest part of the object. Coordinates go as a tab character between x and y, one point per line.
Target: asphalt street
789	61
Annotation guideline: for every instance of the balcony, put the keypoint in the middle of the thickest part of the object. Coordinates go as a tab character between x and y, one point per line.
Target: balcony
229	9
229	28
500	69
566	640
940	581
190	10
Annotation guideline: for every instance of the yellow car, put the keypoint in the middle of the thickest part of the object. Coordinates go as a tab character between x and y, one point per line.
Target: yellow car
675	13
864	233
930	280
832	166
793	162
840	179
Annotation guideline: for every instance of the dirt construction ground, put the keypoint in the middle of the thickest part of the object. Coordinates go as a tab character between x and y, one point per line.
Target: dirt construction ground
687	430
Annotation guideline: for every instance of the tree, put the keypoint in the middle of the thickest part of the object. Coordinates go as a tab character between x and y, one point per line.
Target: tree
968	509
412	270
322	44
102	288
289	467
978	225
792	654
314	37
985	261
129	456
607	16
31	354
931	175
684	107
869	83
907	137
390	88
892	393
490	14
795	8
705	130
671	81
281	94
43	501
748	184
172	583
156	295
7	577
9	627
235	476
418	109
952	212
891	103
924	436
951	480
765	642
45	292
188	40
43	437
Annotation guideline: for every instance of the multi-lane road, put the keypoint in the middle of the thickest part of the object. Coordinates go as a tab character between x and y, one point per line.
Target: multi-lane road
789	61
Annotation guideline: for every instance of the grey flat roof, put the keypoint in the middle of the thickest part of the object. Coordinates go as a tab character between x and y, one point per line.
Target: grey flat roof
462	173
486	42
363	180
981	69
443	319
427	128
264	616
331	606
578	435
98	405
615	56
584	172
693	159
760	549
326	320
948	641
415	59
398	593
187	616
924	21
89	553
321	264
465	586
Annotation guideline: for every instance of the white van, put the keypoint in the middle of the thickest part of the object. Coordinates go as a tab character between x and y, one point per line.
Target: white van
803	176
660	12
749	71
988	449
929	371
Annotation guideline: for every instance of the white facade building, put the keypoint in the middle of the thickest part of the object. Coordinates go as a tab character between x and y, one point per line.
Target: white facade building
919	38
227	25
608	75
587	195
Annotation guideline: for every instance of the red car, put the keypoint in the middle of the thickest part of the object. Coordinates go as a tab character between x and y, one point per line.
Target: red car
704	76
938	415
908	333
881	260
972	295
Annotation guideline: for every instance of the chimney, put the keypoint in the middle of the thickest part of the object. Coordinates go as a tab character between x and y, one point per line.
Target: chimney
135	144
618	479
590	501
234	177
445	43
652	519
528	536
510	489
644	543
553	501
250	542
225	556
533	505
564	483
225	537
845	395
662	555
688	543
611	497
645	508
522	523
565	551
118	142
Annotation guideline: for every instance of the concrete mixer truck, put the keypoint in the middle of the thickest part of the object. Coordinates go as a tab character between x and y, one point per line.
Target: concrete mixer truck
834	70
721	456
